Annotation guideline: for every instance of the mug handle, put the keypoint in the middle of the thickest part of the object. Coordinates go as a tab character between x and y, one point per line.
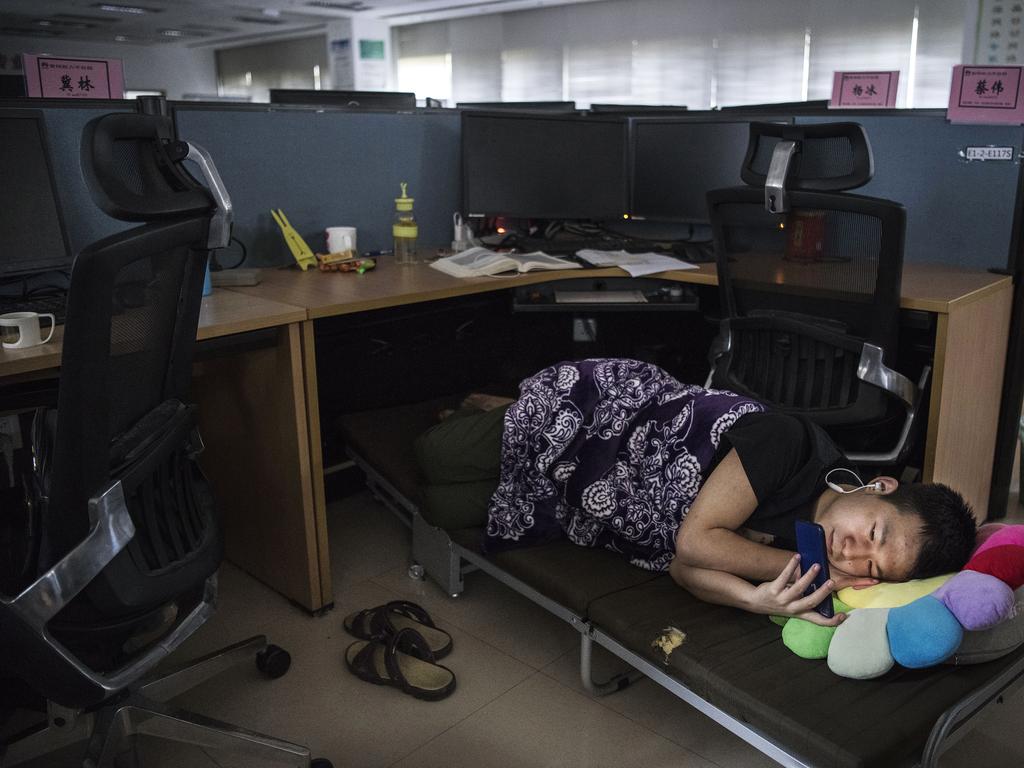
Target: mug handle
53	326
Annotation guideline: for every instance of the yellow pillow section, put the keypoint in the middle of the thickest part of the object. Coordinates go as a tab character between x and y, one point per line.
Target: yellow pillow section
892	594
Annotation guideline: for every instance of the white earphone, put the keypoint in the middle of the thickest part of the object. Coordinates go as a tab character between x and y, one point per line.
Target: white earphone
876	486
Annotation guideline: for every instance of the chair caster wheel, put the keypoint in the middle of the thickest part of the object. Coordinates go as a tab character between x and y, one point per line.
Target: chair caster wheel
273	661
320	762
417	572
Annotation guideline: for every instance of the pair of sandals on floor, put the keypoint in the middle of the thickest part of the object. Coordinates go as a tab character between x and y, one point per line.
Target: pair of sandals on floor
399	645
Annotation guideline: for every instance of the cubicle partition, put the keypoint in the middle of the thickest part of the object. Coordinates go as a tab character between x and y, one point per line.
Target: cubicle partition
84	222
329	168
960	212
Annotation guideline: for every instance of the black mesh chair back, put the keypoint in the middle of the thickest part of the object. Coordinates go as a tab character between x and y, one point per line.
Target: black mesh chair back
132	316
809	280
122	499
802	292
830	157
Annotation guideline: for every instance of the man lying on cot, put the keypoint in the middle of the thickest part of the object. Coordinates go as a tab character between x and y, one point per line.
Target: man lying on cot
702	483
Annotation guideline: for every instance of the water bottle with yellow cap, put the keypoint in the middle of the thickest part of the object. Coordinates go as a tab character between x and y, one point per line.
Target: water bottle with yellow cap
404	229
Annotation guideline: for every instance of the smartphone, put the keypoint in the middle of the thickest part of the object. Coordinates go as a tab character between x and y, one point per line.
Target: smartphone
810	543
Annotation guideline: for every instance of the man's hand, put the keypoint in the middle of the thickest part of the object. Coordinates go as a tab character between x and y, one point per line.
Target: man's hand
785	597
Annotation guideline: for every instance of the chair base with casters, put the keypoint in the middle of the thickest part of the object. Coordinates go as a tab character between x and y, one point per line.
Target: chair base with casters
106	708
143	709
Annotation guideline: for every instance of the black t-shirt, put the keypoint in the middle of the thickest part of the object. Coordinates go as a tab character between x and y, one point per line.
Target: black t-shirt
785	459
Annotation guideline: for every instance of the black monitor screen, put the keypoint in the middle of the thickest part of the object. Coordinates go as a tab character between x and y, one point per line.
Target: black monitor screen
543	166
32	236
675	163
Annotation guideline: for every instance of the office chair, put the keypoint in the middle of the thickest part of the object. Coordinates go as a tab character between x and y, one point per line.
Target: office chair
128	538
809	281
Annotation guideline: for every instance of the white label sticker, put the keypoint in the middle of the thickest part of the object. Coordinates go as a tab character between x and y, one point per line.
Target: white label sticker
988	153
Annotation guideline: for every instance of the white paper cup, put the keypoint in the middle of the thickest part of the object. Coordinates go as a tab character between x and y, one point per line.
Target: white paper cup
341	239
24	329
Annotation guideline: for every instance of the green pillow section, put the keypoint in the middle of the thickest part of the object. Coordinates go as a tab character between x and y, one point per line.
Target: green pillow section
807	639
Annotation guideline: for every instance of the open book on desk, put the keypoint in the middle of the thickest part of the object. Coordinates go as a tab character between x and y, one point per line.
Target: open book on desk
477	262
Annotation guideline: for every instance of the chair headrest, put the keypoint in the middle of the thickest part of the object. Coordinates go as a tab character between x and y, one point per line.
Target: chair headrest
132	164
828	157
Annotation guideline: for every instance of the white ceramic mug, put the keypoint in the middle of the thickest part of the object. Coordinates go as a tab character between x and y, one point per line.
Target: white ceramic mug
24	329
341	239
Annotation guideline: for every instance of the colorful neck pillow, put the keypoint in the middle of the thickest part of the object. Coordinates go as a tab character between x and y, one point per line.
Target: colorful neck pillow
971	616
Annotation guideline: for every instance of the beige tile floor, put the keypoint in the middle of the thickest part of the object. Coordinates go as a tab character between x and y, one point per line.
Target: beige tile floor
519	702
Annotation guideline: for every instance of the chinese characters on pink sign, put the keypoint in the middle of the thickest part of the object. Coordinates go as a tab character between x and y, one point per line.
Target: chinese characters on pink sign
853	90
986	95
51	77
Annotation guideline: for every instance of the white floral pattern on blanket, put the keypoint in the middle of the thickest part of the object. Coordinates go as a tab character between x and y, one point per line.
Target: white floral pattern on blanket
609	453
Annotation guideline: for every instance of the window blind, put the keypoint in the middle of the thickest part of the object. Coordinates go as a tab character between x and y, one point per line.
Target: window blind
701	53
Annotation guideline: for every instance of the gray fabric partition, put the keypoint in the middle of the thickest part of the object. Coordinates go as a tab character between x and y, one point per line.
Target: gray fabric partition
84	221
958	212
329	168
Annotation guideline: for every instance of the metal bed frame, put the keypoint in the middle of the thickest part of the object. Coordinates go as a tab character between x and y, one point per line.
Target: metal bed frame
447	562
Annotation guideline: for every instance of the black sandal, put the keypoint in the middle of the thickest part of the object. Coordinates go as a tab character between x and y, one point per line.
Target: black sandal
384	621
404	661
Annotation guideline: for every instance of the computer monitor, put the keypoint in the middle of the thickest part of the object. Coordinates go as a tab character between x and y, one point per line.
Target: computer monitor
639	109
32	234
676	162
537	166
816	107
385	100
519	106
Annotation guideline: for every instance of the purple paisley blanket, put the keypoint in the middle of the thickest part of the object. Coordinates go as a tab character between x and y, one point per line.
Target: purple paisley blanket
607	452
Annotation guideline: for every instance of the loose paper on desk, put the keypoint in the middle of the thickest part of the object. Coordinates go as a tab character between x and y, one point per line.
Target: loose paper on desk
477	262
636	264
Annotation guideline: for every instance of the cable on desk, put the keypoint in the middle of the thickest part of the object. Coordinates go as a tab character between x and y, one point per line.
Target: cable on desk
215	265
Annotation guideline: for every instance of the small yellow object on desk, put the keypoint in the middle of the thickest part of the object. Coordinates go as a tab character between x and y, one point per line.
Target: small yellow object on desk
344	261
300	250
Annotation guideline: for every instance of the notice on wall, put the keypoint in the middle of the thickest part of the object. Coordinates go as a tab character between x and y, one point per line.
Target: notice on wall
342	72
373	66
52	77
999	35
859	90
986	95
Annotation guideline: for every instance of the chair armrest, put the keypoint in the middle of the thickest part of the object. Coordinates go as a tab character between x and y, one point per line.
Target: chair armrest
872	370
911	416
111	530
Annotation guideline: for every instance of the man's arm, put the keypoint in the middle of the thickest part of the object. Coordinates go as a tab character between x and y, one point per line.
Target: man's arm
783	596
708	537
713	561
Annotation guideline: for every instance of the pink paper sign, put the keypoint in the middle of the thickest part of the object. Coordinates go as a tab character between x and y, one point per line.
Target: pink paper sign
51	77
986	95
852	90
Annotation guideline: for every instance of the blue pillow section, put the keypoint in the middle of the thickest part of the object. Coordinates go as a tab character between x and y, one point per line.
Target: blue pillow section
923	633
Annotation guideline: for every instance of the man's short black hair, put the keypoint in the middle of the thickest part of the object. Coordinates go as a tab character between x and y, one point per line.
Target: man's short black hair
948	528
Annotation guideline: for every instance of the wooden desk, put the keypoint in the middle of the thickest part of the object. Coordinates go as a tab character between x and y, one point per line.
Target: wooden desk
259	401
253	417
972	309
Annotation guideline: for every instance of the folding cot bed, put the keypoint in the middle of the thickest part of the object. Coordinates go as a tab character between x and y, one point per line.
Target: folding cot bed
732	665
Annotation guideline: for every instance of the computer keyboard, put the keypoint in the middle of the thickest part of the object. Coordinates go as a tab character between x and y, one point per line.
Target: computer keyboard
44	304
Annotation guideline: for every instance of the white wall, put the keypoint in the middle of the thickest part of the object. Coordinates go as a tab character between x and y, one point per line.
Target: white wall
172	68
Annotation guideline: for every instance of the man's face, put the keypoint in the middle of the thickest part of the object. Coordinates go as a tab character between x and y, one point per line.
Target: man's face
865	535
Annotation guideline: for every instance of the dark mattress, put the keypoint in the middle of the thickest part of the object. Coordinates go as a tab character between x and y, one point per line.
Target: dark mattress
732	659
